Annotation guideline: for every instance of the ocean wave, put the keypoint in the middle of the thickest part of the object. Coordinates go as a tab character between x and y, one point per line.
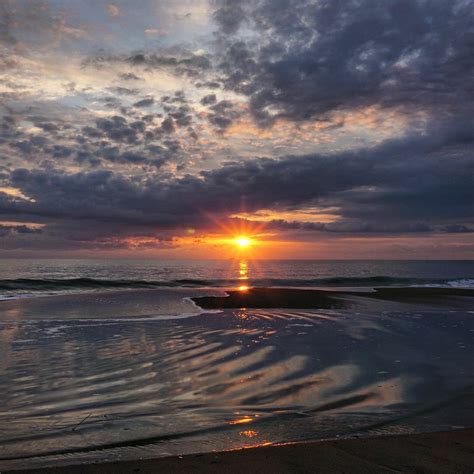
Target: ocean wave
29	284
27	287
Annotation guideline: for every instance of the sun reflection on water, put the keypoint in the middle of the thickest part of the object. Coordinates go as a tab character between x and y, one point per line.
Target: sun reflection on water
243	274
243	270
249	433
239	421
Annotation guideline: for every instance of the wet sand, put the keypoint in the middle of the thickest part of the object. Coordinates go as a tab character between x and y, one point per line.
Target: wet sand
444	452
93	378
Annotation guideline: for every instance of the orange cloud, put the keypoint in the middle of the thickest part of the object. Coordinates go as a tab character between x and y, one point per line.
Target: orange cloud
324	215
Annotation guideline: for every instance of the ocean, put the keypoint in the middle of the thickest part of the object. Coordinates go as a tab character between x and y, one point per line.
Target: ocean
25	277
115	359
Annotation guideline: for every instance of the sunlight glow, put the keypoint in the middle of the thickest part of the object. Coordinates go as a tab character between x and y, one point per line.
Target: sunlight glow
243	242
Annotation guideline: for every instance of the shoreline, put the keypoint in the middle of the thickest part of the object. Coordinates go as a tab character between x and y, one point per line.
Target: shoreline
324	297
443	452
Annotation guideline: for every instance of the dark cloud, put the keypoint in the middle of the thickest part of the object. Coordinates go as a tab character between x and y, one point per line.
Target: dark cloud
186	63
308	59
209	84
111	102
9	230
167	126
350	227
209	99
135	140
182	115
123	90
229	16
114	154
61	151
115	128
20	21
30	144
223	114
458	229
6	21
417	184
48	127
147	102
178	97
129	76
181	62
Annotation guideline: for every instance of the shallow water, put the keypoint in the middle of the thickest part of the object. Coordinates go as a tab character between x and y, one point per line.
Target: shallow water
125	375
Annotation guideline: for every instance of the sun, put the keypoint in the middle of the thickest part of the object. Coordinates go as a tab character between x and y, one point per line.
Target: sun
243	242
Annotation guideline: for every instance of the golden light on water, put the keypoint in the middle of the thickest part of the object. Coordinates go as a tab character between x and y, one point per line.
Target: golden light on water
249	433
243	275
243	270
240	421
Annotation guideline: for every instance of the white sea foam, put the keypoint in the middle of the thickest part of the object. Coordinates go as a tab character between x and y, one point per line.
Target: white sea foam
462	283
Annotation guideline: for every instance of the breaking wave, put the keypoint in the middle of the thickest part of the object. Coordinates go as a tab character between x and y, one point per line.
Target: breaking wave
84	284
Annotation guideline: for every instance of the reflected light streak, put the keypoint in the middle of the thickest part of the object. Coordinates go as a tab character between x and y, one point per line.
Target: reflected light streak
240	421
243	270
243	275
258	445
249	433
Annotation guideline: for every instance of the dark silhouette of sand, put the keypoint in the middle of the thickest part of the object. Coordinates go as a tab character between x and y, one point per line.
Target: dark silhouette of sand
445	452
333	299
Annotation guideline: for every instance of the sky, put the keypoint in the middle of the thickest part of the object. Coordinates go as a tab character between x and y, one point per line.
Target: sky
331	129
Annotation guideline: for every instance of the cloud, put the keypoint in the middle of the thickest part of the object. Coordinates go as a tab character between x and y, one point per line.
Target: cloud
115	128
129	76
223	113
307	59
417	184
12	230
6	22
209	99
458	229
209	84
359	107
168	125
229	16
146	102
124	90
180	62
28	26
133	142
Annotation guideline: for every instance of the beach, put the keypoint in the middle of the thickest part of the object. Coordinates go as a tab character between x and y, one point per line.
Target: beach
94	378
446	452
